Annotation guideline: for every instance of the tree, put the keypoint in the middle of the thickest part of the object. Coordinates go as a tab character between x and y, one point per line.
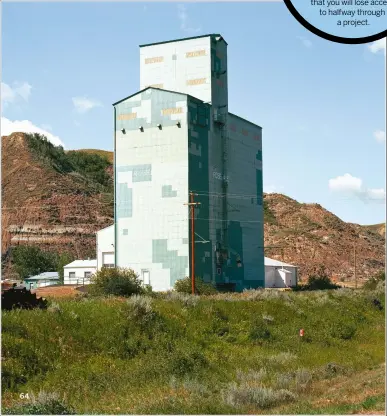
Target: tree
320	281
117	281
31	260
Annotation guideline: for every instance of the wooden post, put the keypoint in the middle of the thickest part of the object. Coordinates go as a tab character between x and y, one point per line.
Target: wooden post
193	243
192	204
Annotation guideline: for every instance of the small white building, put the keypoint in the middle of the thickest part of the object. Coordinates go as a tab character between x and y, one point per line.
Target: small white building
105	247
279	274
79	272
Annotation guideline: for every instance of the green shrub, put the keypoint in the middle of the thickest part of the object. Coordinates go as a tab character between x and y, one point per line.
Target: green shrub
343	330
262	397
185	361
372	283
117	282
201	288
259	331
319	281
303	377
187	300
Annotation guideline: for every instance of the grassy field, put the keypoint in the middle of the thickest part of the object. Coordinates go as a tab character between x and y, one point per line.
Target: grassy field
178	354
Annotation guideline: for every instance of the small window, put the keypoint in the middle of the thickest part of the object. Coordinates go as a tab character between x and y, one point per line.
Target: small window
145	277
87	275
72	275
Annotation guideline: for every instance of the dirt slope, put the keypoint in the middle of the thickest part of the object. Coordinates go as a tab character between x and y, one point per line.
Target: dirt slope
312	236
43	206
63	212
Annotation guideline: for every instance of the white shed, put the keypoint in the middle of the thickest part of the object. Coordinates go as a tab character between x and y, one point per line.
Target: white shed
79	272
279	274
105	247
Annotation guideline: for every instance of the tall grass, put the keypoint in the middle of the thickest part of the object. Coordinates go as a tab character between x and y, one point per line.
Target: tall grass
178	354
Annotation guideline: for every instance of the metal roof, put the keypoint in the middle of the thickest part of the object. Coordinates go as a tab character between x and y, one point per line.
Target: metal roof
277	263
147	88
83	263
185	94
247	121
183	39
44	276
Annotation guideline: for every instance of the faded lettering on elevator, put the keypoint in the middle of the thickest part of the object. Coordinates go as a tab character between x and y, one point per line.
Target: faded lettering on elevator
154	60
197	81
168	111
129	116
195	54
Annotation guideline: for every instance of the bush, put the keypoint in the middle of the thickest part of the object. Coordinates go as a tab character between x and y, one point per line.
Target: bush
185	361
259	331
372	283
117	282
201	288
262	397
303	377
319	281
185	299
343	330
141	306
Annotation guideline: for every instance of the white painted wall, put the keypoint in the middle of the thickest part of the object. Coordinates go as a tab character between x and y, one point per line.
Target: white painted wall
154	217
105	245
79	278
276	278
183	66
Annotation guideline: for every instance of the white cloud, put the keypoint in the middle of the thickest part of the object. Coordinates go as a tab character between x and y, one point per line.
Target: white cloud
344	183
183	17
19	91
306	42
84	104
377	46
25	126
350	186
380	136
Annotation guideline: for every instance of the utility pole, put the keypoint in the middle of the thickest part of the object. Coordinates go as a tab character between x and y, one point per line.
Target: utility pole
192	204
354	252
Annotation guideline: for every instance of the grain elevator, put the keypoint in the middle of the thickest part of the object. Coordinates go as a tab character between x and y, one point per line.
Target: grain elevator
175	136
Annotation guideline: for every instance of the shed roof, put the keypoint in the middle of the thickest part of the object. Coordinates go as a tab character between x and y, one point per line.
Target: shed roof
44	276
272	262
83	263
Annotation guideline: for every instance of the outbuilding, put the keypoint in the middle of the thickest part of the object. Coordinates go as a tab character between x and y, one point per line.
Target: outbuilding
279	274
79	272
105	247
41	280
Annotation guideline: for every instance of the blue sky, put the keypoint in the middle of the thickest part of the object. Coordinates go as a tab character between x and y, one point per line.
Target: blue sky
321	104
